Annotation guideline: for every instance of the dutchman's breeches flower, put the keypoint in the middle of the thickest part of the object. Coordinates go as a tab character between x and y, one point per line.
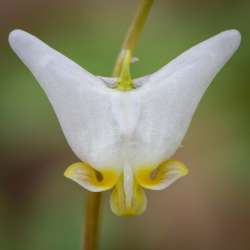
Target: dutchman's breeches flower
124	131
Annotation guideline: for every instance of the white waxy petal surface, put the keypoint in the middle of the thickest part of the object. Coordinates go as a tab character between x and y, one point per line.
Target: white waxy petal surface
170	96
81	101
142	127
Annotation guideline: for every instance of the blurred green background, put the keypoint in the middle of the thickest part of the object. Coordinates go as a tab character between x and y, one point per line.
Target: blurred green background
209	209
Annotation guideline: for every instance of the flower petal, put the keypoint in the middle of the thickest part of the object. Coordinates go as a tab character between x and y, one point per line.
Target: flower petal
170	96
81	101
162	177
90	179
119	204
215	52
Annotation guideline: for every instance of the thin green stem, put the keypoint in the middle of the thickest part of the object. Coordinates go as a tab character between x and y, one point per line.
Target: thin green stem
133	33
93	209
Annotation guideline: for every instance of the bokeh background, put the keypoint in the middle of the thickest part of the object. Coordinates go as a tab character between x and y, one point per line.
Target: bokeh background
209	209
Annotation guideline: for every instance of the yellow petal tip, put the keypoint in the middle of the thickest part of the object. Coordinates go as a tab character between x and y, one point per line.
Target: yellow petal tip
161	177
91	179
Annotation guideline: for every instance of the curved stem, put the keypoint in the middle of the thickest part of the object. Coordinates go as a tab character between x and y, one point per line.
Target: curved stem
93	209
133	33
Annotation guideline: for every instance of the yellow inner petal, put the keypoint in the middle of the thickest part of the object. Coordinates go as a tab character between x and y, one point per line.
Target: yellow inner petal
128	197
121	206
162	176
91	179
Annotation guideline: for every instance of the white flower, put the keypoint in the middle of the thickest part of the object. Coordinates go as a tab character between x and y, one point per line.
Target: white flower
125	138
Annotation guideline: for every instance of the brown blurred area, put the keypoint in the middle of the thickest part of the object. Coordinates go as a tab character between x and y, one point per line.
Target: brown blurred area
209	209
